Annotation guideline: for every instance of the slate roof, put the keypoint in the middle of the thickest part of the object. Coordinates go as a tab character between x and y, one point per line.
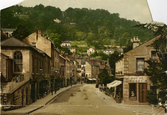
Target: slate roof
13	42
101	67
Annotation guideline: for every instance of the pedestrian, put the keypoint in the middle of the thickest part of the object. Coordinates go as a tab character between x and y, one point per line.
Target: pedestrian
52	91
55	90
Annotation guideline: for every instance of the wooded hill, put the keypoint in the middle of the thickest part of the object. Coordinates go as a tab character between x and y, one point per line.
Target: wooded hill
96	27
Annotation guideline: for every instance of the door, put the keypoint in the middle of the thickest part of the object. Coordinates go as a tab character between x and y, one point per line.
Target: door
142	92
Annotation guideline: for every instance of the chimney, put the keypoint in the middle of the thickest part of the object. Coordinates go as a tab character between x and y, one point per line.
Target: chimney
135	41
39	33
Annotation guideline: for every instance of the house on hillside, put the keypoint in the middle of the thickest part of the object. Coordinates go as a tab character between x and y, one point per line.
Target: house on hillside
108	51
90	51
66	44
73	50
130	70
23	67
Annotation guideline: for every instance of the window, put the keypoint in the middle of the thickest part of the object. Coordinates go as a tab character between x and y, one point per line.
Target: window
132	90
140	65
153	54
18	61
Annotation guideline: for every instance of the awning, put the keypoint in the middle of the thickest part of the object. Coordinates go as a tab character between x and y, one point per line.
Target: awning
114	83
89	79
92	79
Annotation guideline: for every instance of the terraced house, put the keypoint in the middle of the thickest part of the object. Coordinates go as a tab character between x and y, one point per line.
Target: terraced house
27	68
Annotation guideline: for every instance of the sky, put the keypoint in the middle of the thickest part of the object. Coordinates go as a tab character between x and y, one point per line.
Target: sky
144	11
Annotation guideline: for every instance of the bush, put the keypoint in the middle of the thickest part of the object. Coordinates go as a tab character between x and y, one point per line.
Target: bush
152	97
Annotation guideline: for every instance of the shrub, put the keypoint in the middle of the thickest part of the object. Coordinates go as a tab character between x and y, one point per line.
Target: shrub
151	97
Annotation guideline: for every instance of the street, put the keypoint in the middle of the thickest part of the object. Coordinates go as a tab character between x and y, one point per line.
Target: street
82	100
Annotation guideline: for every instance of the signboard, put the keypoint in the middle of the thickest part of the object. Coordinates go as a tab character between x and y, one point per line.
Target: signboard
137	79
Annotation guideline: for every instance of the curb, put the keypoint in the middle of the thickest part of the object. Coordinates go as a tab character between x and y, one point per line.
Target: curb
49	101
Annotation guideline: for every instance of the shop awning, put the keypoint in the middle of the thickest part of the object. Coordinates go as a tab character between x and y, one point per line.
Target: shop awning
92	79
114	83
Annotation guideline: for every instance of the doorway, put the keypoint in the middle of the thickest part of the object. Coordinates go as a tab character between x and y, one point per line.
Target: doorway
142	92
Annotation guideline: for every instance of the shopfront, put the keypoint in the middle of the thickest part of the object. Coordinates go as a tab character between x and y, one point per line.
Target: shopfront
135	88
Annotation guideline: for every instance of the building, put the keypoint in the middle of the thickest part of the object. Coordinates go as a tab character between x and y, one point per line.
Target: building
66	44
7	32
62	72
90	51
25	73
108	51
91	70
130	70
73	50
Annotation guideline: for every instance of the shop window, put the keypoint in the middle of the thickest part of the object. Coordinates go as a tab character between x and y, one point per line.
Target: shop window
132	90
140	65
18	61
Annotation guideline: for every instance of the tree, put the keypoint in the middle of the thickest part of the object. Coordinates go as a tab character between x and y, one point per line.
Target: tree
156	68
112	60
104	77
21	32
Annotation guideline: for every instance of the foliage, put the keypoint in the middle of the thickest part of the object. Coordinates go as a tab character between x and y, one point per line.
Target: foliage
156	68
66	50
163	95
21	32
112	60
104	77
96	27
94	54
151	97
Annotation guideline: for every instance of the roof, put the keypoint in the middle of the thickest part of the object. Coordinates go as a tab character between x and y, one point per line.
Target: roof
66	42
92	63
153	39
13	42
108	50
8	29
101	67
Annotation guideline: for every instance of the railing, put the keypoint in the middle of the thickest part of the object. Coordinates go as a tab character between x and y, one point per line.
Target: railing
16	83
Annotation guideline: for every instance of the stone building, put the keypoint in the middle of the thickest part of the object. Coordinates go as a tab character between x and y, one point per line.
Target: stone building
62	72
91	70
27	69
130	70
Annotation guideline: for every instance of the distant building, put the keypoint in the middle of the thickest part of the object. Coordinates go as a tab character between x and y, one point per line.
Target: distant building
66	44
90	51
108	51
8	32
73	50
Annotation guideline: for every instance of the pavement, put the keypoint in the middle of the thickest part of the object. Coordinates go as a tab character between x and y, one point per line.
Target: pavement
36	105
138	109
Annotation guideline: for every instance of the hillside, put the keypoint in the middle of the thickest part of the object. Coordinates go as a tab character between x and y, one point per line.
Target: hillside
96	27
